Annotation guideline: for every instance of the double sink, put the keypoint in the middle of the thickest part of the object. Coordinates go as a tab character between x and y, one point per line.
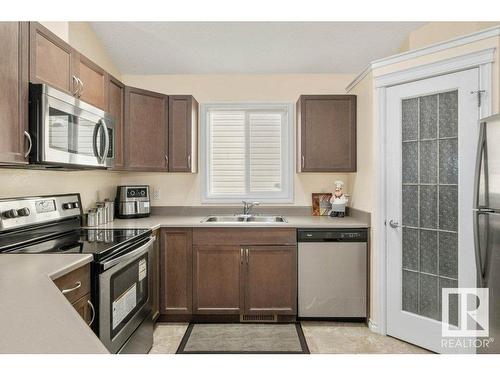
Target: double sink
244	219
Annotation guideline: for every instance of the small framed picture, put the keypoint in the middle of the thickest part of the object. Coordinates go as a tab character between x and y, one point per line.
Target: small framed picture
321	205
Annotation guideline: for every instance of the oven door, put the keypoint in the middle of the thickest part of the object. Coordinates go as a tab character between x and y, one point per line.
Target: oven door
80	135
124	295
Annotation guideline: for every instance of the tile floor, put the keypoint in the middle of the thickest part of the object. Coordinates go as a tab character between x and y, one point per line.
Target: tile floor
321	337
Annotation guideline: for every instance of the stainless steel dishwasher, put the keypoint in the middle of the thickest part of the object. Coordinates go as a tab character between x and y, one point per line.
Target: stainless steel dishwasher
332	273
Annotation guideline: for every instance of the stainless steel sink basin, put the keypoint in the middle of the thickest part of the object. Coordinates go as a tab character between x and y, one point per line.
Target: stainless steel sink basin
244	219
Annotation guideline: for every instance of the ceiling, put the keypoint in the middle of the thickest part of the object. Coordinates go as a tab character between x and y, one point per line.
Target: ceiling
249	47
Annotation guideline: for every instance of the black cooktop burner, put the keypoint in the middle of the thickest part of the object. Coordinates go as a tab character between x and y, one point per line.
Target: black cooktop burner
100	242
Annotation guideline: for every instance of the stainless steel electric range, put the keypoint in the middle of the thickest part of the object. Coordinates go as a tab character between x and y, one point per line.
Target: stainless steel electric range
121	268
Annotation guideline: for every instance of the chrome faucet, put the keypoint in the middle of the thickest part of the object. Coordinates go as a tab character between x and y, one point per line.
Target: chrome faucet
247	206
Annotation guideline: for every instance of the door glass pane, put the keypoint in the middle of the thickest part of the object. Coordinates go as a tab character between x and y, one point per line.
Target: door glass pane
429	202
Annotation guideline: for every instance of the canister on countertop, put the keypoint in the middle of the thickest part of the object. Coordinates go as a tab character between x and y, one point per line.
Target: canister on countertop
110	210
92	217
101	213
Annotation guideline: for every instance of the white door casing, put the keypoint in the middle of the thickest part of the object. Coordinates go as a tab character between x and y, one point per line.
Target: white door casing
422	326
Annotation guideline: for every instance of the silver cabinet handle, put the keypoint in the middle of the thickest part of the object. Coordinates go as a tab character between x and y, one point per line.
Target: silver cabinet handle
81	87
166	160
241	256
93	312
77	285
395	224
75	86
30	143
246	252
303	161
189	161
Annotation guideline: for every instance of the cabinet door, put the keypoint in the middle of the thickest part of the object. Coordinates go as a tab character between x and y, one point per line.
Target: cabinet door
146	135
182	129
327	133
115	108
51	59
14	92
176	273
155	277
85	309
217	280
94	82
271	280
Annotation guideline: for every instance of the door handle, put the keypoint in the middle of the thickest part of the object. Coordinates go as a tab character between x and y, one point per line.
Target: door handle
75	85
241	256
80	90
77	285
246	252
30	144
93	312
189	161
166	160
303	161
395	224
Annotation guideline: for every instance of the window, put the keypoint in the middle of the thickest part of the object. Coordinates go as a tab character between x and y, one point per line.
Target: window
247	152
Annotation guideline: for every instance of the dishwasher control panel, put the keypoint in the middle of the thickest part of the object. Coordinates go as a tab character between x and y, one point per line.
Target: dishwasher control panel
333	235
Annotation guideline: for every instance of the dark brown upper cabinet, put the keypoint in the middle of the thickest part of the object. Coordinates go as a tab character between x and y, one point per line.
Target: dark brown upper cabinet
146	132
176	270
55	63
116	97
51	60
93	82
326	133
14	139
182	133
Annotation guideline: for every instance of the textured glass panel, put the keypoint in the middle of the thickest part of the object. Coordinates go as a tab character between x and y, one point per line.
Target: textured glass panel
410	162
429	299
428	251
410	205
448	161
410	249
448	254
410	119
428	162
410	291
453	300
448	114
428	117
428	206
448	207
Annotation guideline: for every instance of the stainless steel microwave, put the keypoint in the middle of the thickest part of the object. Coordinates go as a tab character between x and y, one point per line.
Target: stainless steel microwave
68	132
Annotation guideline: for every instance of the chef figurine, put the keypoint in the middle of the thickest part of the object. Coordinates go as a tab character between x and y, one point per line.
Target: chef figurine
338	200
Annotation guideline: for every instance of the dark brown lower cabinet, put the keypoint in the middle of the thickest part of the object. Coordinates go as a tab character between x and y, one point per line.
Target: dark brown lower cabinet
155	278
271	280
84	308
217	279
176	271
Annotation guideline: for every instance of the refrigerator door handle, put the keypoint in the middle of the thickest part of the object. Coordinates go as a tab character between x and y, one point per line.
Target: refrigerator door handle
481	161
477	249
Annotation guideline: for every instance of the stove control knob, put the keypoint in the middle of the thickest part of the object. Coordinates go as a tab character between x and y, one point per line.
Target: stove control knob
10	214
67	206
24	211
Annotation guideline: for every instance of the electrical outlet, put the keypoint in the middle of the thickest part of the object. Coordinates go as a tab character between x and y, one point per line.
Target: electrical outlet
156	194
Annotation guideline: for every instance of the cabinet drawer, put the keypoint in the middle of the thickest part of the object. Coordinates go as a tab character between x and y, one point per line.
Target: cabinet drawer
244	236
76	284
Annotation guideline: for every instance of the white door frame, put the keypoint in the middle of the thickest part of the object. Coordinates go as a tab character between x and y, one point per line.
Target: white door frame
482	60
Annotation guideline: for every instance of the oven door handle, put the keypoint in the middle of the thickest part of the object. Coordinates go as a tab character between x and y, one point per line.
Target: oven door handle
128	256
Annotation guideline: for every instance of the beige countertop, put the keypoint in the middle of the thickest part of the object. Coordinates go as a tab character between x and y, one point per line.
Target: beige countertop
35	315
160	221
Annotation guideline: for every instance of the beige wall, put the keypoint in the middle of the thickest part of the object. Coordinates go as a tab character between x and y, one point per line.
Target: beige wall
92	185
434	32
185	189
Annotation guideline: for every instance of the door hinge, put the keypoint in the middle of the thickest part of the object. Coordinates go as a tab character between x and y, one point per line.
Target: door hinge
478	93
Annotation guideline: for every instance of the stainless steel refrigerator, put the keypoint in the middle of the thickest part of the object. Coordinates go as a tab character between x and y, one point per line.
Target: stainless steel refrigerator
487	222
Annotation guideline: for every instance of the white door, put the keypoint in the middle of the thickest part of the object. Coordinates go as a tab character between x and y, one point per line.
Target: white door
432	132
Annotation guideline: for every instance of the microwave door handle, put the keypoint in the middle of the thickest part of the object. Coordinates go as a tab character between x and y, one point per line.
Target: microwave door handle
94	142
128	256
106	140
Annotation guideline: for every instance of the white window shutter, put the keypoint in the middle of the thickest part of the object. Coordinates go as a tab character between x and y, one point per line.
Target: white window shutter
227	152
